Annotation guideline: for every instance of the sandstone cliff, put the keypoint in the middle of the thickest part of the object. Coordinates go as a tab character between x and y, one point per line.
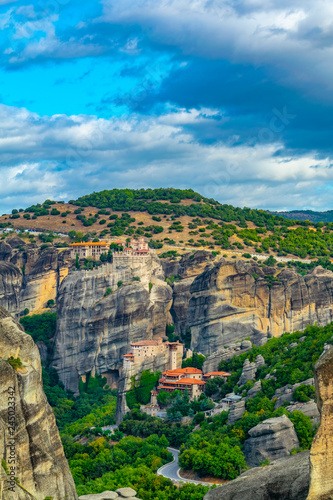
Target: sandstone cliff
41	467
95	329
230	301
321	454
29	276
284	479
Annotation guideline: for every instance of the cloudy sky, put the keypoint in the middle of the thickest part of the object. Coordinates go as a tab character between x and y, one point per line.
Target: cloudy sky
232	98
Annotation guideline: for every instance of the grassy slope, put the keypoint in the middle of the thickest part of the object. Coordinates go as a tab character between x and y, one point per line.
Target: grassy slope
201	222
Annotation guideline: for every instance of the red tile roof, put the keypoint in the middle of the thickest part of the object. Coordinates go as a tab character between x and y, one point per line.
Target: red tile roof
181	371
217	374
186	381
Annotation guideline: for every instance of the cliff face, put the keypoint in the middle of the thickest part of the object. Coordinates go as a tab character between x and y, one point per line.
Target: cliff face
29	276
321	454
41	466
95	329
230	301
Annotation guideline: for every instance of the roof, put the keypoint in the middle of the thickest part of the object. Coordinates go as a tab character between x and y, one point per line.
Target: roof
186	381
217	374
145	343
89	243
153	392
191	381
181	371
131	355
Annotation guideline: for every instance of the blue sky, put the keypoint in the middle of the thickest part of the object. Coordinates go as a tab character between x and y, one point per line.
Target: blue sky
232	98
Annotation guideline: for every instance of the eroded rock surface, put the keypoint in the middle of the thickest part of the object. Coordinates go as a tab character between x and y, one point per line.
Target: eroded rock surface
321	453
42	469
284	479
230	301
272	439
95	329
236	412
29	276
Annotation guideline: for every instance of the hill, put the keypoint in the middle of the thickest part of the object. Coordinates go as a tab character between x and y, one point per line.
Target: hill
309	215
174	218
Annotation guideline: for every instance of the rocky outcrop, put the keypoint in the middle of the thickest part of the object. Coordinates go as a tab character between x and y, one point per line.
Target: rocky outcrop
191	264
212	362
230	301
236	412
284	479
96	328
248	373
254	390
250	370
29	276
40	464
285	393
272	439
321	453
309	409
128	493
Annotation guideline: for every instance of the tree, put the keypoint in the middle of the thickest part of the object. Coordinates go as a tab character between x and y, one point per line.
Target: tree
77	261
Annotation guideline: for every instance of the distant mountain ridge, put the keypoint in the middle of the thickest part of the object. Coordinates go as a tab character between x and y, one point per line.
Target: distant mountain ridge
310	215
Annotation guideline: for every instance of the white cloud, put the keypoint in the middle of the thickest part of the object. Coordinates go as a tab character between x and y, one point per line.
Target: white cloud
290	36
47	156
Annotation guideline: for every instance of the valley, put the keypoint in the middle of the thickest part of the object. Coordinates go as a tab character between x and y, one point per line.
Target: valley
146	344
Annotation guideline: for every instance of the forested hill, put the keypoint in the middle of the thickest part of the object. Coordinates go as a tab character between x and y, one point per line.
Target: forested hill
302	215
174	220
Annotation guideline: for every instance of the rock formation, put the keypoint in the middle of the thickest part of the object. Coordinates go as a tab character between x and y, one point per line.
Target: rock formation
286	393
248	373
284	479
41	467
212	362
272	439
95	327
321	454
309	409
29	276
128	493
230	301
236	412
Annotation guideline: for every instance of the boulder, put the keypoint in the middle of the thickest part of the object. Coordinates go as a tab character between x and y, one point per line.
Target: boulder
310	409
284	479
286	393
321	453
126	492
236	412
272	439
255	389
106	495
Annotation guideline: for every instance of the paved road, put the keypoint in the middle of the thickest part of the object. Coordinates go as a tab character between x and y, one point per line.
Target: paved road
171	470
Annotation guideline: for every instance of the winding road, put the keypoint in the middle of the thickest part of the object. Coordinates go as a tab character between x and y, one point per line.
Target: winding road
171	470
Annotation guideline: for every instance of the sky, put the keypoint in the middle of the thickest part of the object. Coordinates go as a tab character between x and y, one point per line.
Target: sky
232	98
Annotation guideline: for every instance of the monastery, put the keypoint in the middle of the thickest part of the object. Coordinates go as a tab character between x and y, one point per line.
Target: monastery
94	250
147	348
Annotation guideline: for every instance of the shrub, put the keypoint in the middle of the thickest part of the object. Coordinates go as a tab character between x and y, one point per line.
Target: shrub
15	363
108	292
119	284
